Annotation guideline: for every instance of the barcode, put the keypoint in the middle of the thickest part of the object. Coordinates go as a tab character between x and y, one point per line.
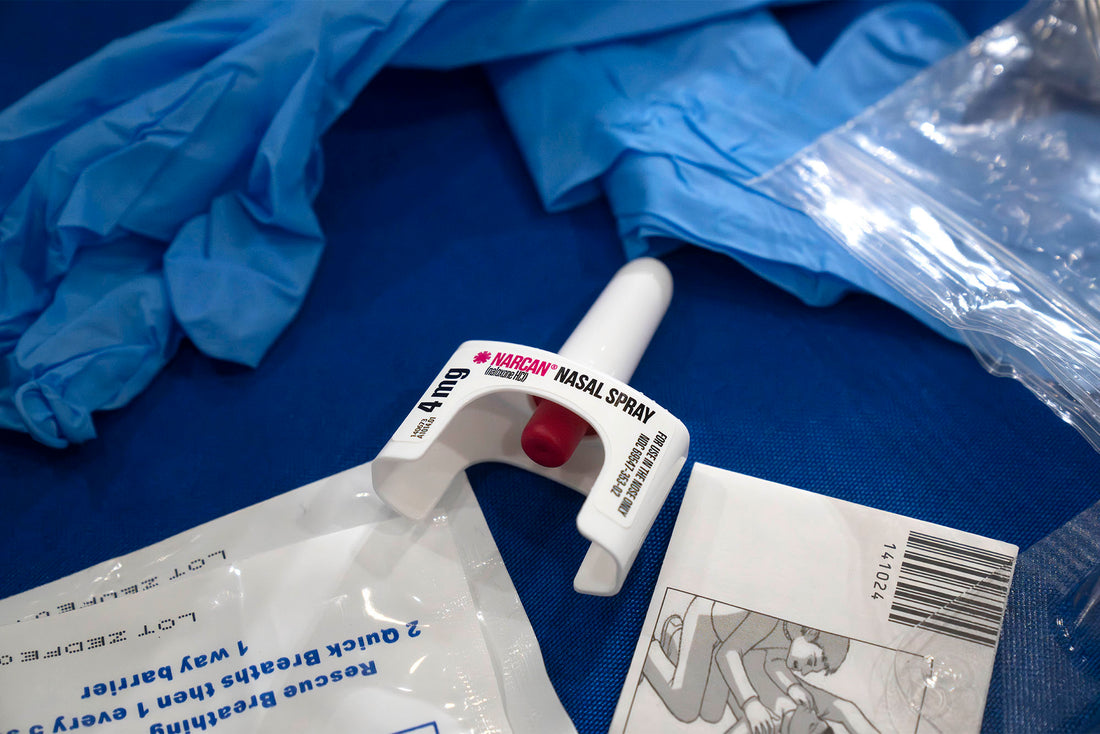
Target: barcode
952	588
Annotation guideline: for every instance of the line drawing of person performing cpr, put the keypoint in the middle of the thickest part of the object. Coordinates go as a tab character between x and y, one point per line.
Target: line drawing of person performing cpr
717	654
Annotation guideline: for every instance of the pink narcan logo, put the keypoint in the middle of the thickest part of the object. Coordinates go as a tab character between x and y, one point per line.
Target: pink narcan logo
521	363
482	357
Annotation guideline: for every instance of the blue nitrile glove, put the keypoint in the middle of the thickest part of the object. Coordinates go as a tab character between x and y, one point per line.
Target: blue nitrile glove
168	179
468	32
673	127
164	186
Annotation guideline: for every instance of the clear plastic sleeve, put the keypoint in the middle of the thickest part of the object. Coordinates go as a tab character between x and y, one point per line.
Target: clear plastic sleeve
1047	677
974	190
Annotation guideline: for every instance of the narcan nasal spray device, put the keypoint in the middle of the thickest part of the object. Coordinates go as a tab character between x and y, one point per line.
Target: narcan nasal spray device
569	416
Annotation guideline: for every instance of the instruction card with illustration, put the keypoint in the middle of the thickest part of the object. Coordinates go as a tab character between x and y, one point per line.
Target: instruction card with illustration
787	611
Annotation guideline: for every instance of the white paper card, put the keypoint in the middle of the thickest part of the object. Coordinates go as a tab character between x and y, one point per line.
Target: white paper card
787	611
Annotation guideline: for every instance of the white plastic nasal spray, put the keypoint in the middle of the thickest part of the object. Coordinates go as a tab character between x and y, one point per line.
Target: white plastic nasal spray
568	416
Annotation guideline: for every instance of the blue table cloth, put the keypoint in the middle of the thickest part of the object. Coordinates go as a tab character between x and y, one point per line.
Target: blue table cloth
436	235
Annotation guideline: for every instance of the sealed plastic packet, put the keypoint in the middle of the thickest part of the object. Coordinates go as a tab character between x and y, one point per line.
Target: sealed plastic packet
318	610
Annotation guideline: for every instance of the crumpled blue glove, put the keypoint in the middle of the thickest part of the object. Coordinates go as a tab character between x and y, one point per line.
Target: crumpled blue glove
467	32
163	187
673	128
166	184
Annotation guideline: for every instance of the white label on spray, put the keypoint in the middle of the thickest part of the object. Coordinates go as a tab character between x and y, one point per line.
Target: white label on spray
634	428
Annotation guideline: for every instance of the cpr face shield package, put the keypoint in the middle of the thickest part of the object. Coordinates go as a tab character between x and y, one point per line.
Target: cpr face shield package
972	191
318	610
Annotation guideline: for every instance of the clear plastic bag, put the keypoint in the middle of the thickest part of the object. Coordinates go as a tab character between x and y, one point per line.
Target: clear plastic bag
974	189
1047	677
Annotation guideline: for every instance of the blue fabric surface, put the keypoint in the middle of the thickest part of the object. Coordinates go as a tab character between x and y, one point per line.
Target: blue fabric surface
856	401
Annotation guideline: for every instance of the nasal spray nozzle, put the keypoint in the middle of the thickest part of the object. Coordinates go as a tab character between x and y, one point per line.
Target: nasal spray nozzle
480	408
612	337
